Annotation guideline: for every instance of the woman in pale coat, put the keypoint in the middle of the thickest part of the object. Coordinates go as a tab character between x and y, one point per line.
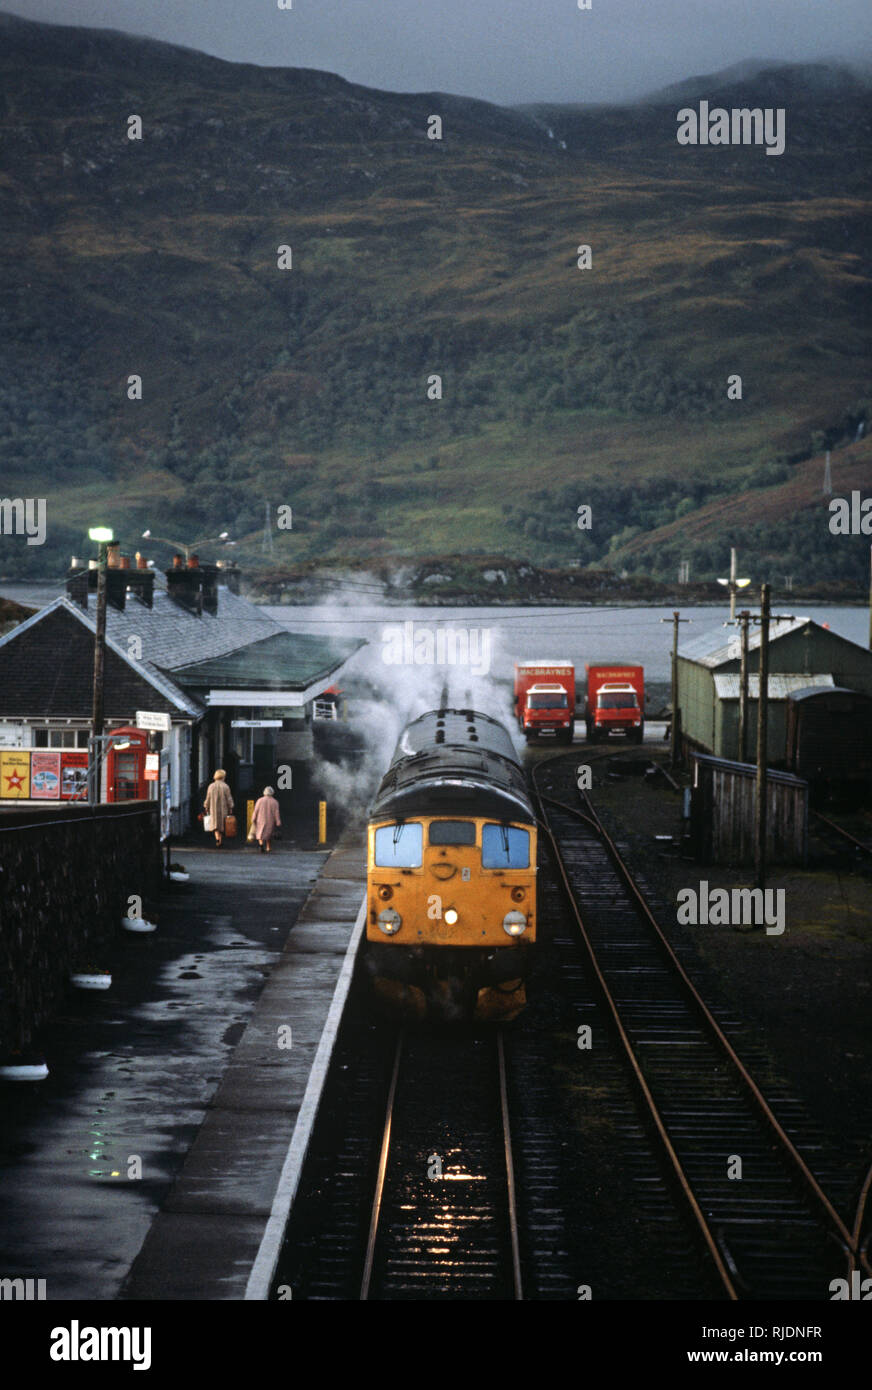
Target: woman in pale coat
218	803
265	819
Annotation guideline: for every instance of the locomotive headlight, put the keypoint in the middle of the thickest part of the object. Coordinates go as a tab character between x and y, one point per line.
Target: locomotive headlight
389	921
514	923
450	916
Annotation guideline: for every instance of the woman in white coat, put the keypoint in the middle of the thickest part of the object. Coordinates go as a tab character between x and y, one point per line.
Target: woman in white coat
218	803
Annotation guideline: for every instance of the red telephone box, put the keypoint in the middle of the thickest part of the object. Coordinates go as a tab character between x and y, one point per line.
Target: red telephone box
125	767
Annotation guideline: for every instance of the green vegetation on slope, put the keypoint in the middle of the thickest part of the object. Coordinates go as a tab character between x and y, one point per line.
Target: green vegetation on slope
412	258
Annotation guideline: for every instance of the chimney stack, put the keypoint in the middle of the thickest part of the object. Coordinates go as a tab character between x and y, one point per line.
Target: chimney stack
229	574
185	584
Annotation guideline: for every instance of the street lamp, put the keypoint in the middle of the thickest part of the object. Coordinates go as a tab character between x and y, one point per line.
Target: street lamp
189	549
735	584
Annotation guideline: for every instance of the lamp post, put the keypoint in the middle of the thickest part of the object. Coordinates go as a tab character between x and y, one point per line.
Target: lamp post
735	584
193	545
104	536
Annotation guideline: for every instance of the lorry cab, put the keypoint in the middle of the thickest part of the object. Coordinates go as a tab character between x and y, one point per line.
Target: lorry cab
545	699
614	707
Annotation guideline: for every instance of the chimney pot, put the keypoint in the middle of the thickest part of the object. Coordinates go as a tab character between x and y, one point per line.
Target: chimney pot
141	562
124	562
194	562
178	562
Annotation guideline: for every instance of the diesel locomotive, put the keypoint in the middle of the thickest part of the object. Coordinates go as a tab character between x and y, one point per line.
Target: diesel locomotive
451	872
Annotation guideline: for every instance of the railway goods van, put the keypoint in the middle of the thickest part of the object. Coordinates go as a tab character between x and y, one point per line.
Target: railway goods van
545	699
615	705
829	742
451	872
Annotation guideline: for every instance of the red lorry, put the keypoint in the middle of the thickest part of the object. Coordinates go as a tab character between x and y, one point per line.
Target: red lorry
615	703
545	699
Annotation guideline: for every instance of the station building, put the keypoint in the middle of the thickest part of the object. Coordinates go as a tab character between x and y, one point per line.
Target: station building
803	655
237	689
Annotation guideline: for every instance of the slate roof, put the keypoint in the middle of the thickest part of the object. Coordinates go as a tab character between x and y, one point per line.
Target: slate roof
47	671
167	647
284	661
172	636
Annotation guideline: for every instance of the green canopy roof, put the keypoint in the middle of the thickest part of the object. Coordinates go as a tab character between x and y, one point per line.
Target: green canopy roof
286	661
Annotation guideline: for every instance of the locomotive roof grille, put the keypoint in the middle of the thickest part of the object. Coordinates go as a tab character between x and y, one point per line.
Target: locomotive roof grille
454	753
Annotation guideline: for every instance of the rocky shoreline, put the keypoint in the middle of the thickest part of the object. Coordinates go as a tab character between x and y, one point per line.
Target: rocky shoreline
493	581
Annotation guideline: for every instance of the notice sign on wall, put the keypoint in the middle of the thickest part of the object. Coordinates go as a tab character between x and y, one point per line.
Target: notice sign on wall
45	775
14	775
152	766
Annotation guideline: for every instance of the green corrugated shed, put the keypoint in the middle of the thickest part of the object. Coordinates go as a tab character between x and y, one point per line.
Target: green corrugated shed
801	653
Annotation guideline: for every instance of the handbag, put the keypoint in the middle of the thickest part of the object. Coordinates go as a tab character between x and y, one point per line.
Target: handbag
208	823
229	827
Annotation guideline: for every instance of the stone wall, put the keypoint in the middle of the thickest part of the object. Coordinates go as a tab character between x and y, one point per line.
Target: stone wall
65	877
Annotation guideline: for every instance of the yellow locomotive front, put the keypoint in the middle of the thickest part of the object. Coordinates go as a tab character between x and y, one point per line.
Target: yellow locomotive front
451	907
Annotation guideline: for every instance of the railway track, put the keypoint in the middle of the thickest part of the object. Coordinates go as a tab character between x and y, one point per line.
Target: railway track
412	1195
843	834
444	1224
768	1228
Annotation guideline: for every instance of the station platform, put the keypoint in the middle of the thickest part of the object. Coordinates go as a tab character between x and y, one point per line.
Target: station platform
182	1065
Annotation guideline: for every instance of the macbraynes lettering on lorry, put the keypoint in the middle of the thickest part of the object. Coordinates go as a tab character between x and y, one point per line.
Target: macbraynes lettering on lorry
545	699
615	703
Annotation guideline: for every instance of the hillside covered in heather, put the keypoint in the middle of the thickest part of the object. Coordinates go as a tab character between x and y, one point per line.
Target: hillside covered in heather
308	387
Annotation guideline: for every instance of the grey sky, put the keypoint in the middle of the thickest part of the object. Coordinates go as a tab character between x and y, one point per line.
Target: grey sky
503	50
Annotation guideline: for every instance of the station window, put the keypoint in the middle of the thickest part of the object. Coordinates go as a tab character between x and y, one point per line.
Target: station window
400	846
59	738
452	832
505	847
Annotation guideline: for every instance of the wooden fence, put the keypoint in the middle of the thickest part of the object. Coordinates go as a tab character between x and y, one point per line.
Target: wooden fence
722	813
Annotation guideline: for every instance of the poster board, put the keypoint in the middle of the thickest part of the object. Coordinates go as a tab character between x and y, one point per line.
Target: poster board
45	776
14	774
74	775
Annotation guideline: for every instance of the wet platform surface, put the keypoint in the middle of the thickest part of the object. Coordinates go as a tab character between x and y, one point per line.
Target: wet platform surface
178	1066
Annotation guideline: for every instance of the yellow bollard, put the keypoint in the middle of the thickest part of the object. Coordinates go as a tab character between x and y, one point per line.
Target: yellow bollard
249	816
322	822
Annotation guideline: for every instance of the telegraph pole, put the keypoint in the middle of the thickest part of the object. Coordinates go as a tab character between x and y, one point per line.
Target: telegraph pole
744	619
103	536
766	616
762	731
676	712
99	646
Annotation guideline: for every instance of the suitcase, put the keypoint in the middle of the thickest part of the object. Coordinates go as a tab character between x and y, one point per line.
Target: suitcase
230	827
